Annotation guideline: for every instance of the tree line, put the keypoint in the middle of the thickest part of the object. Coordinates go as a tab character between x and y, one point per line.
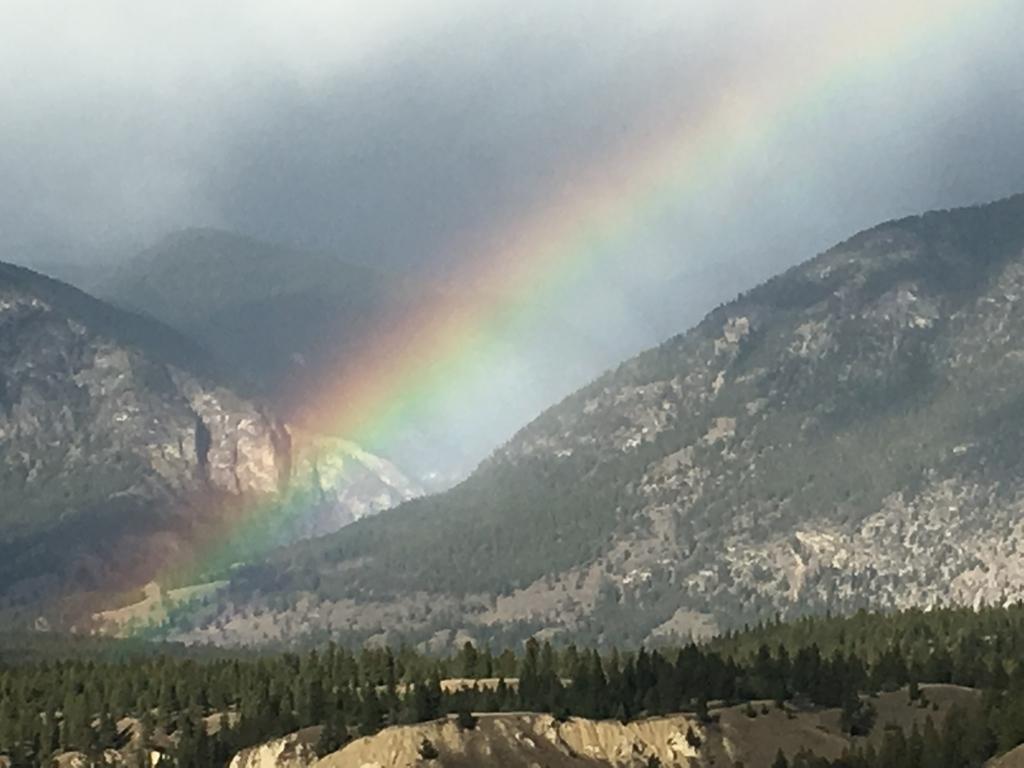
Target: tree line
198	711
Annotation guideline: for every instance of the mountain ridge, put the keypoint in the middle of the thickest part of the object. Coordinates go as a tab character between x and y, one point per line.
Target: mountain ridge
803	447
283	321
119	448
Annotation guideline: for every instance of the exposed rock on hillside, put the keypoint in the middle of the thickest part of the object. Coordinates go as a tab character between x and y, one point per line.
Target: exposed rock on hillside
296	750
848	433
1012	759
285	322
291	323
520	741
112	431
751	736
346	482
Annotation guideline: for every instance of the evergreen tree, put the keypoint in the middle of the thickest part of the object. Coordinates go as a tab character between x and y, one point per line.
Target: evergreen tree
913	691
692	738
146	726
50	739
468	662
702	710
465	719
530	693
107	734
371	717
332	736
858	716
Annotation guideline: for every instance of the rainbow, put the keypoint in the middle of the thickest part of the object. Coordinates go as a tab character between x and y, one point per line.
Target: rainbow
545	252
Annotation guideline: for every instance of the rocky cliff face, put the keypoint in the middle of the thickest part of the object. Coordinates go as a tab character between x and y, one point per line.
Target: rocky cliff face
301	318
847	434
295	321
296	750
111	428
735	735
521	741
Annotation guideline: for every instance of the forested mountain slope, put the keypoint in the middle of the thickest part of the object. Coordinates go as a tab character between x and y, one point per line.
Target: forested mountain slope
118	446
848	433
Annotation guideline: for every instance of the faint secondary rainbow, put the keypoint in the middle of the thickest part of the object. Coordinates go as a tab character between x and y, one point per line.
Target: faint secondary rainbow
543	253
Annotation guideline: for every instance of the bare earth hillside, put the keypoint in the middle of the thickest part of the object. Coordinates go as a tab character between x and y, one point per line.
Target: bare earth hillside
676	741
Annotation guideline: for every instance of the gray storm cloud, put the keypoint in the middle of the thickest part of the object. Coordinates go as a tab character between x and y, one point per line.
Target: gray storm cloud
387	131
381	130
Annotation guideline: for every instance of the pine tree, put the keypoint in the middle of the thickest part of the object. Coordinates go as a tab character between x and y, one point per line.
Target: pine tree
50	740
468	661
858	717
8	727
465	719
427	698
371	717
331	736
146	726
168	704
107	734
77	732
598	693
550	686
502	694
485	667
222	747
913	691
702	710
692	738
529	677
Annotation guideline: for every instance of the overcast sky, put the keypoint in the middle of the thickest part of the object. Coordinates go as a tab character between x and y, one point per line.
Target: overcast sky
380	129
386	131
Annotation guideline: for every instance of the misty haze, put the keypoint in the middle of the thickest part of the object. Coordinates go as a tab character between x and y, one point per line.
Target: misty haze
485	383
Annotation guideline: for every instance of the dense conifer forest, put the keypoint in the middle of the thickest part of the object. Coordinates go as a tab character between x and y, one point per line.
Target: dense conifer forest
199	707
